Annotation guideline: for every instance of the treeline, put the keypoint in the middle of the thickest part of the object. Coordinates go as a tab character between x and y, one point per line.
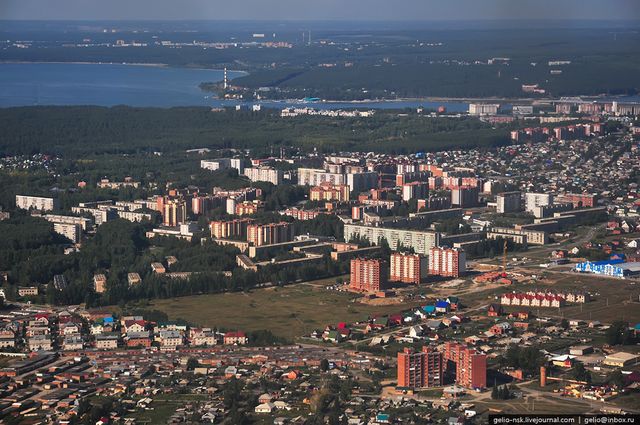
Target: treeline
78	131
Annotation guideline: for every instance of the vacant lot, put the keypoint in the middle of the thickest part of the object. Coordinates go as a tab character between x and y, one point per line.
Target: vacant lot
289	312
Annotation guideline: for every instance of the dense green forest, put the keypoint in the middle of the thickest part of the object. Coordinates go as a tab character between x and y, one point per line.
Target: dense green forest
31	253
82	131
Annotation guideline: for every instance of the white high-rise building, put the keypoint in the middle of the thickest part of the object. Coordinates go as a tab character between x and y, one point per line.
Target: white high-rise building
533	200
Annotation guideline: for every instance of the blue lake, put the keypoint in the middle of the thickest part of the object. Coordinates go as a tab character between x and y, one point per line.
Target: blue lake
26	84
23	84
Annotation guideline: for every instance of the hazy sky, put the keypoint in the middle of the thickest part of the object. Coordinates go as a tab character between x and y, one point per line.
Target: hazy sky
415	10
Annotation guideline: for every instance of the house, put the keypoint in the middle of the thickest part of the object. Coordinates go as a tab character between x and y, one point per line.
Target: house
265	408
72	343
494	310
500	328
416	331
235	338
40	342
265	398
107	341
442	306
135	326
138	339
169	339
454	302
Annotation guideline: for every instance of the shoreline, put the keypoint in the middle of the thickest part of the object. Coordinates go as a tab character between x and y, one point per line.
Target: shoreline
143	64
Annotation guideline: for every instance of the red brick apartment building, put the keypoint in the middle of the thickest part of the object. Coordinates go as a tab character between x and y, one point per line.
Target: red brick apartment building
470	366
408	268
230	228
368	275
422	369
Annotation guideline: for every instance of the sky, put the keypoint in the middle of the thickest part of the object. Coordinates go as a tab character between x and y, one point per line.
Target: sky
320	10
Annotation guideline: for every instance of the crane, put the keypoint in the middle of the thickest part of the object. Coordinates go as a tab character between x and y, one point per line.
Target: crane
504	259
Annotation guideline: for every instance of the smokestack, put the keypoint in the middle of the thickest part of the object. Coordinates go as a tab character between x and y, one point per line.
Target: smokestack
225	78
543	376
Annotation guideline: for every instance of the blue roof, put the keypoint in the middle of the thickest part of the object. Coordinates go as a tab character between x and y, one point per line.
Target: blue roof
442	304
107	319
429	308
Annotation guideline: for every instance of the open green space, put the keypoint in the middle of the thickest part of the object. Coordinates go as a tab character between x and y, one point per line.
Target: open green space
288	312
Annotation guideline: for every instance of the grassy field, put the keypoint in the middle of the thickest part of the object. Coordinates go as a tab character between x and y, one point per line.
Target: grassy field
288	312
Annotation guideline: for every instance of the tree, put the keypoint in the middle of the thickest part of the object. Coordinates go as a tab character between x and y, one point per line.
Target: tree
192	363
324	365
580	373
618	333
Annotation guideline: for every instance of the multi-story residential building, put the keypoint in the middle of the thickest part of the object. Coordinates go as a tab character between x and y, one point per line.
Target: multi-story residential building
408	268
328	192
247	207
415	190
449	262
579	200
174	212
465	197
223	163
230	229
83	222
544	211
420	241
368	275
316	176
73	232
508	202
235	338
422	369
483	109
470	366
533	237
269	234
359	182
533	201
100	283
265	174
39	203
28	291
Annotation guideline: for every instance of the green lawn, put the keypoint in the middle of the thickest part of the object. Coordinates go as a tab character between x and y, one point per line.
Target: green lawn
289	312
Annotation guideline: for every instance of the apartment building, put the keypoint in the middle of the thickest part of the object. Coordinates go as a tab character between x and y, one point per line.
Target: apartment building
269	234
422	369
420	241
408	268
470	366
39	203
265	174
230	229
448	262
508	202
368	275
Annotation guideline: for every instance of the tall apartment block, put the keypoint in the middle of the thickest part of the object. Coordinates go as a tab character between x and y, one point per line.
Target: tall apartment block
174	212
464	197
415	190
40	203
408	268
470	366
368	275
230	229
422	369
534	200
265	174
448	262
269	234
508	202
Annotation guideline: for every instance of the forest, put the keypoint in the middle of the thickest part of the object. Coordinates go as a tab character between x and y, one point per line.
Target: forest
82	131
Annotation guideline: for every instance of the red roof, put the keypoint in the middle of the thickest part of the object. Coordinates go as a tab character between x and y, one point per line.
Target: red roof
238	334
